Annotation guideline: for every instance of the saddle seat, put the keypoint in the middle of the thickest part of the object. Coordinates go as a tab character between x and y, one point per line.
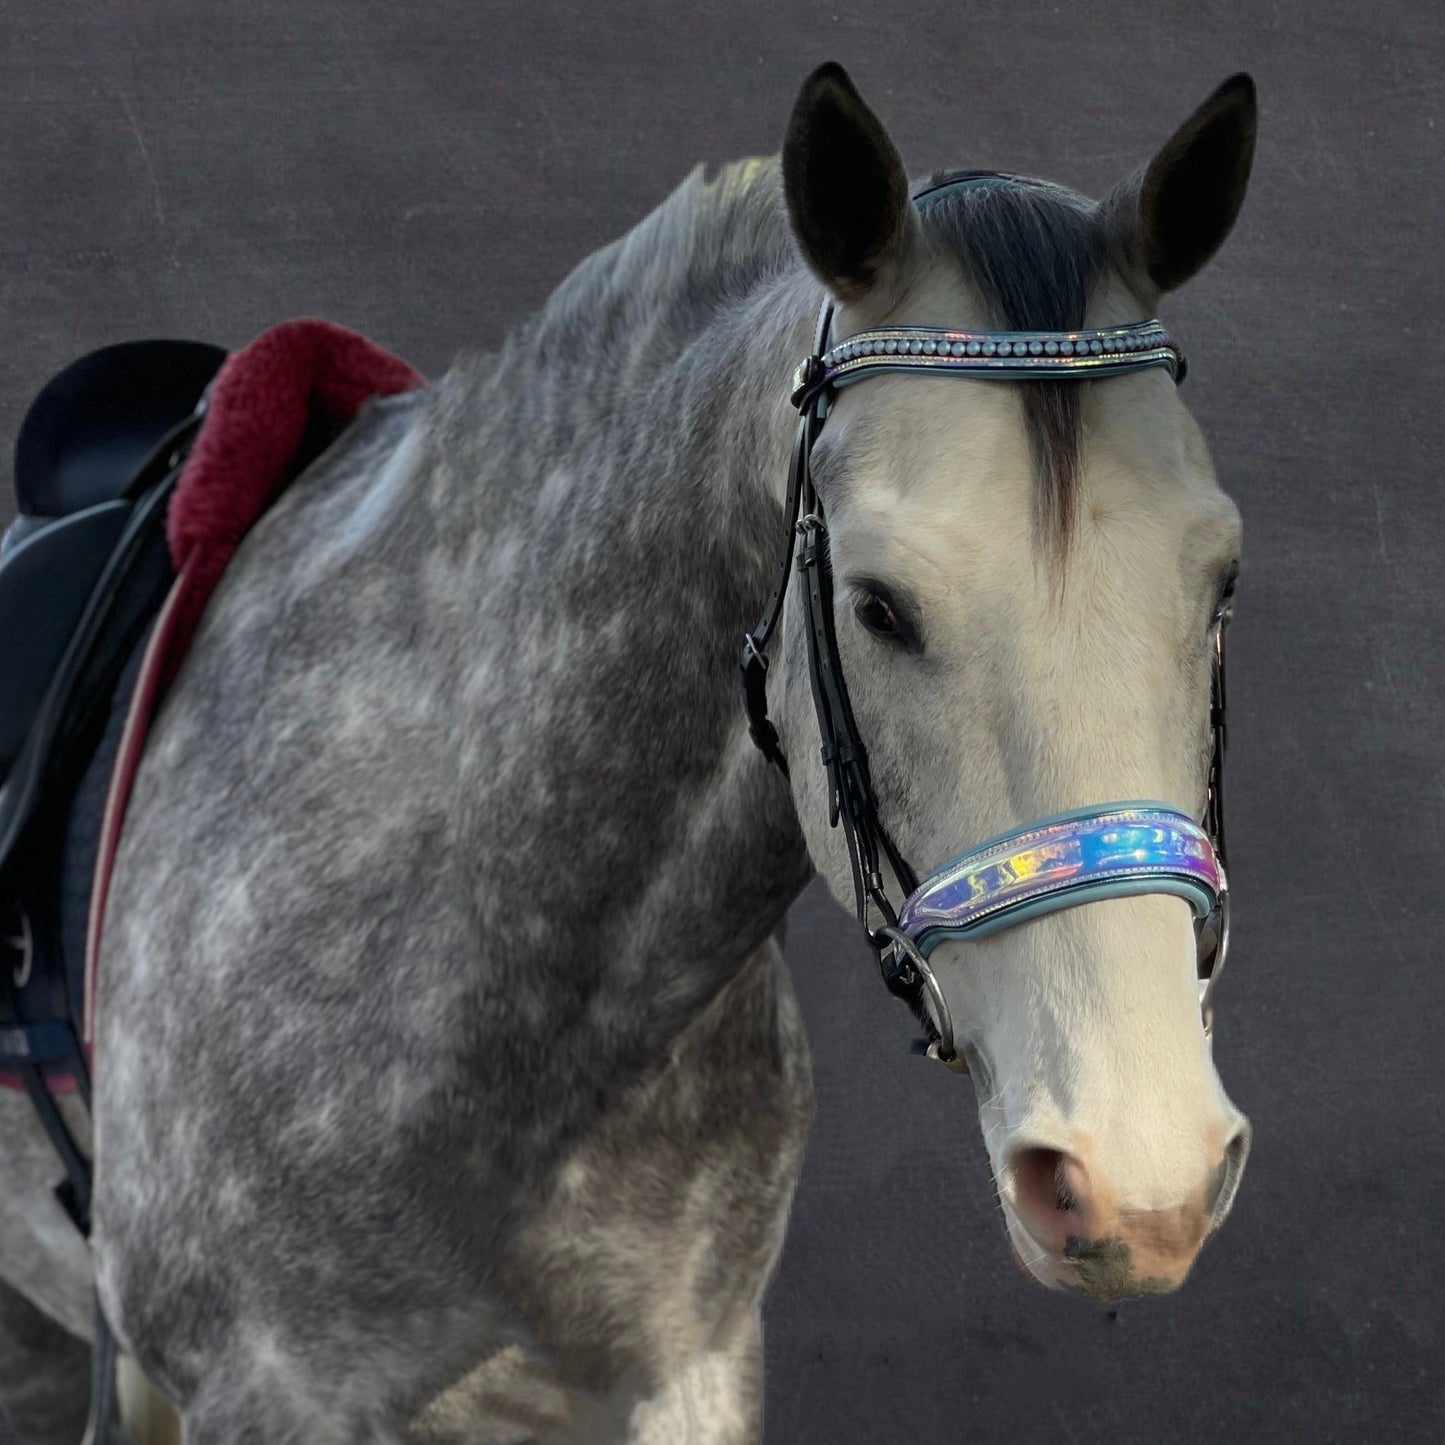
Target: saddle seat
94	423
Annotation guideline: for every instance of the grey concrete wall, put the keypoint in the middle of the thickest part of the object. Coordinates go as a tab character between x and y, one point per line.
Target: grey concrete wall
427	174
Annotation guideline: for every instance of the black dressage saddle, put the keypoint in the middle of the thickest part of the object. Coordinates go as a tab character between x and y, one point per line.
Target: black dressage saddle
83	571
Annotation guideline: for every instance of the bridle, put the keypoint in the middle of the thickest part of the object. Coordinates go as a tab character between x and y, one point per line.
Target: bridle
1117	849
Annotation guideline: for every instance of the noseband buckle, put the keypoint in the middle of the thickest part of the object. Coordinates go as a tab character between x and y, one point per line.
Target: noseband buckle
907	973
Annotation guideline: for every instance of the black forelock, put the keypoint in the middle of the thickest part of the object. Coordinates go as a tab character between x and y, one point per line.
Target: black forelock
1033	252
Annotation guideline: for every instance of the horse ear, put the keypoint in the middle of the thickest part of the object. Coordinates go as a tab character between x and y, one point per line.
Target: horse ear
1171	216
846	188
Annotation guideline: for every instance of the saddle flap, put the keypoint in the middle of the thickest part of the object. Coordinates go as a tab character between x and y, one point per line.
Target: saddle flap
45	583
94	423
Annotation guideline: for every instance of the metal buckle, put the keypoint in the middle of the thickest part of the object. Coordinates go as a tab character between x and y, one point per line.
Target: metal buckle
805	379
942	1048
18	946
1208	981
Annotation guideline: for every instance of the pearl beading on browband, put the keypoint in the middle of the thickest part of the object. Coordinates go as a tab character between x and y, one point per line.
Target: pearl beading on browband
1000	355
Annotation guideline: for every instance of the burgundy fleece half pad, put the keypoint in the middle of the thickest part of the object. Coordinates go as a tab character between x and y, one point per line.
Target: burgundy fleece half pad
256	415
257	411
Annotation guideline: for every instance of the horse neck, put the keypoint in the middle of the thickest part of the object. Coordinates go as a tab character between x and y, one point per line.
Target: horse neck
716	489
736	425
632	486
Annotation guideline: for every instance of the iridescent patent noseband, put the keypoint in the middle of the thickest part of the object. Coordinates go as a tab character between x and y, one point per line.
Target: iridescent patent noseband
1117	849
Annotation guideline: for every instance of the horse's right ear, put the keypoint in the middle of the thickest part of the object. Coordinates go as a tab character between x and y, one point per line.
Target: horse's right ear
846	188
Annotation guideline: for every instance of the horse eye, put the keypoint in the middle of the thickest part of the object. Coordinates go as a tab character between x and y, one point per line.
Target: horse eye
874	610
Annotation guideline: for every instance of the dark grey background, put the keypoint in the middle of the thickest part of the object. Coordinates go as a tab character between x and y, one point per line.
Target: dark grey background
428	173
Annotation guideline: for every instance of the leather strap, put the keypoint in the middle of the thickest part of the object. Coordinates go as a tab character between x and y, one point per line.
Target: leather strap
754	657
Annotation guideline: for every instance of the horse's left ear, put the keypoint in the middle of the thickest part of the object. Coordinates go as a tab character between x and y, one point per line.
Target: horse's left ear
846	188
1169	218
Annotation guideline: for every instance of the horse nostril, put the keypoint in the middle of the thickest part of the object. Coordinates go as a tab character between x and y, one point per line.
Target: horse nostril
1215	1187
1224	1181
1064	1197
1050	1195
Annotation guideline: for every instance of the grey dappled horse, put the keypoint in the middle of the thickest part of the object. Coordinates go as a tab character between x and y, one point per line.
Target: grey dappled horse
450	1083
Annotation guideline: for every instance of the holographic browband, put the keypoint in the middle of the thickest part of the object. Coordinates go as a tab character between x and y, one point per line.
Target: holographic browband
1000	355
1121	849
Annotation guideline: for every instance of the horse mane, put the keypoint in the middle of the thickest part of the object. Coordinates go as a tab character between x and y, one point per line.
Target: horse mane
710	242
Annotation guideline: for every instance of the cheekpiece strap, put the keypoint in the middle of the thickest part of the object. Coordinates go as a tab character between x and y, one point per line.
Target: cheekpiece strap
1120	849
996	355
